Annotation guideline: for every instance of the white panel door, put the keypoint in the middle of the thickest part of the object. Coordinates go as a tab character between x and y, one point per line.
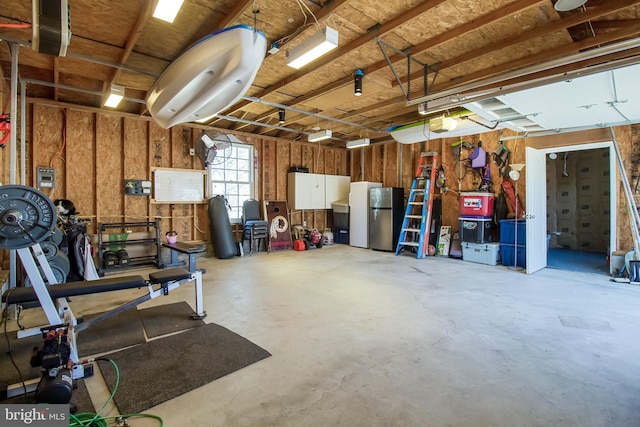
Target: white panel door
536	210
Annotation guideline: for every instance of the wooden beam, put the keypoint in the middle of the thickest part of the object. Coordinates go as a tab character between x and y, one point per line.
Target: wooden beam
142	20
590	14
337	53
542	57
461	30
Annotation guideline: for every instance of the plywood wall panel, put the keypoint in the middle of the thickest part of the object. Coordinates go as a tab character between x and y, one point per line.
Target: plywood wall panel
377	163
624	137
319	166
368	164
180	145
282	163
48	146
109	169
390	165
355	165
136	166
159	149
269	170
330	161
342	162
308	157
296	154
80	160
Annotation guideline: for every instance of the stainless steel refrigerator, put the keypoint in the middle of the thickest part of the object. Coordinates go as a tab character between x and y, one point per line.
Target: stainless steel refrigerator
386	213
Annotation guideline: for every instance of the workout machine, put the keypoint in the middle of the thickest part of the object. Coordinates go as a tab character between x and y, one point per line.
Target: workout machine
27	218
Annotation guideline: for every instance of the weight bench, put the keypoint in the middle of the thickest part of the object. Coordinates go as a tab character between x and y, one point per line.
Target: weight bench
184	248
53	298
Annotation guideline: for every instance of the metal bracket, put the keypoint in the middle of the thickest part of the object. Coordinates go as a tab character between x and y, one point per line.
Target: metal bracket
425	67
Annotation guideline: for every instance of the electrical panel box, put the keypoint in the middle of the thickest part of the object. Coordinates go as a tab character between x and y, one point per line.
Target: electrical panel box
46	177
137	187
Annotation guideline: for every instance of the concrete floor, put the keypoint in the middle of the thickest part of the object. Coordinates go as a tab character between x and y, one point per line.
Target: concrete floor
365	338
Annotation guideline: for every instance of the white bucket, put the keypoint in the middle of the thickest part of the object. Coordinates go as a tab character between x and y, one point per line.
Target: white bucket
327	237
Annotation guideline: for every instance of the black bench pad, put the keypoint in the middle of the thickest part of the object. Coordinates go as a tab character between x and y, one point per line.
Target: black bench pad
70	289
185	248
169	275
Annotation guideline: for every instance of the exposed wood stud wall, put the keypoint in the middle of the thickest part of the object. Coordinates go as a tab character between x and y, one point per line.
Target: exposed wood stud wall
93	151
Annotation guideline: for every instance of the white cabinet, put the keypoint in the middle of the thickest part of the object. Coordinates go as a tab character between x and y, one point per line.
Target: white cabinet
316	191
336	188
306	191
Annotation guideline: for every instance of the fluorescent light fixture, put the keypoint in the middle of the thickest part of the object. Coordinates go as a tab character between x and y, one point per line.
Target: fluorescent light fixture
320	136
167	10
358	143
313	47
422	108
115	96
442	124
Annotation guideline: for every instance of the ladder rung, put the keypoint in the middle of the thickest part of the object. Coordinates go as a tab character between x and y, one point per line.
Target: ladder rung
415	203
408	243
413	216
414	230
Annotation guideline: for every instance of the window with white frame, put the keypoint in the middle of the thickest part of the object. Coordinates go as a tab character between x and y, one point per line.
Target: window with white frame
231	175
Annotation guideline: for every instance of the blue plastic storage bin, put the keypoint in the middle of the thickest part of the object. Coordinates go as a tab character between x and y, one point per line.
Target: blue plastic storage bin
508	231
341	236
508	254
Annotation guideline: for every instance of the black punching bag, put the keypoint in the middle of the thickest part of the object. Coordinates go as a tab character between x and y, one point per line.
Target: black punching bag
224	245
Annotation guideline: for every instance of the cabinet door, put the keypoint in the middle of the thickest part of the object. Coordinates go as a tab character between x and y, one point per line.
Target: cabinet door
316	191
336	189
298	191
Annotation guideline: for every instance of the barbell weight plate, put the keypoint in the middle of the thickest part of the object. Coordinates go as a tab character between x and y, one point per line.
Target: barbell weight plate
59	275
27	216
61	261
49	249
56	236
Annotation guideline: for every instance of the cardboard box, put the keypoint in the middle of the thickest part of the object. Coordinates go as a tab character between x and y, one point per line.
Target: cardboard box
444	241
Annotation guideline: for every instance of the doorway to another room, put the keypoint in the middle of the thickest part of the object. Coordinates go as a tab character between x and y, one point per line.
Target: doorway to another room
579	209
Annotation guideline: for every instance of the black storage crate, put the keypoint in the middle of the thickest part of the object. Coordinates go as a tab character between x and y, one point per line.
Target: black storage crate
475	230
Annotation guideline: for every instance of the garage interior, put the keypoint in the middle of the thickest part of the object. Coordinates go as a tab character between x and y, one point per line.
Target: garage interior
342	335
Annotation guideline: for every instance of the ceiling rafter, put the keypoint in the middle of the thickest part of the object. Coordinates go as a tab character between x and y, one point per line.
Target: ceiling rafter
539	58
562	24
332	56
422	47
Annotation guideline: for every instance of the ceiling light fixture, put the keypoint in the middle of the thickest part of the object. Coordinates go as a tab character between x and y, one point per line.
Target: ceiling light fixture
312	48
358	143
167	10
281	115
357	82
116	93
567	5
320	136
422	108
